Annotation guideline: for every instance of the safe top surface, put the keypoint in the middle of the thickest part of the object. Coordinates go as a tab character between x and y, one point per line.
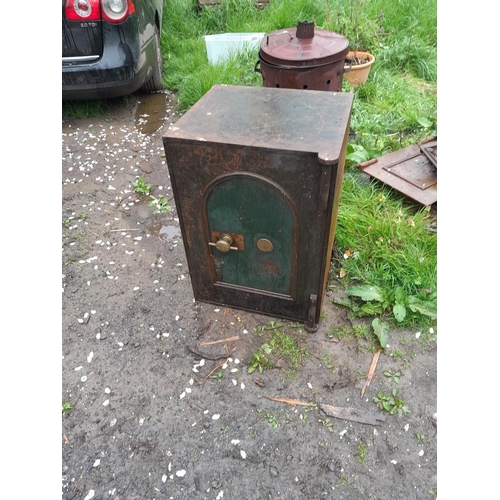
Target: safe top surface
273	118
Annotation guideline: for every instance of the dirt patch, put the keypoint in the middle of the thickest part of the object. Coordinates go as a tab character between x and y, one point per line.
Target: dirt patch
164	406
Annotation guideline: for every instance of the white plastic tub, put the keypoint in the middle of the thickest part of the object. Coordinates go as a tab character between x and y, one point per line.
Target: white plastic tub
221	47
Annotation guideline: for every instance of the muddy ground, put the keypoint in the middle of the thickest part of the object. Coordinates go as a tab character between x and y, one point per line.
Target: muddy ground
152	419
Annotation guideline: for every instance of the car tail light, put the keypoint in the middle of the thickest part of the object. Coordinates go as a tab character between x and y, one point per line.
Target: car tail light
83	10
116	11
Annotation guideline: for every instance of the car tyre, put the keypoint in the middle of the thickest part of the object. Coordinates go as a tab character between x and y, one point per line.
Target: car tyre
155	83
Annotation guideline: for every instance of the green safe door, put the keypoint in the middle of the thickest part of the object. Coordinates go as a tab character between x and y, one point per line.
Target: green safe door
251	226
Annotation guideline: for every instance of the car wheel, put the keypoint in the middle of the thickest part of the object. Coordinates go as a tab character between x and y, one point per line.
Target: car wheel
155	83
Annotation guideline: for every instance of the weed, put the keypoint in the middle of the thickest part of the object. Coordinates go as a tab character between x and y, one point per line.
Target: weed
280	345
218	375
161	204
392	404
328	424
338	331
361	454
259	360
272	420
328	361
420	437
66	407
394	375
84	217
141	187
298	326
398	354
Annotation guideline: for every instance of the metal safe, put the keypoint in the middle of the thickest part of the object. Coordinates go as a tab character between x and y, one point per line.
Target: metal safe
256	175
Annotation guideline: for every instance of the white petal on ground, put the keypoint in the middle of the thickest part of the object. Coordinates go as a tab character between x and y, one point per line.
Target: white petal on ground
234	381
97	462
220	495
235	441
420	453
242	385
215	417
90	356
84	379
243	454
106	403
90	495
180	473
164	478
309	385
394	462
417	335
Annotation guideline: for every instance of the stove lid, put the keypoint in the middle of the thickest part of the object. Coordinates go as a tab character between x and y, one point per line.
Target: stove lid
304	45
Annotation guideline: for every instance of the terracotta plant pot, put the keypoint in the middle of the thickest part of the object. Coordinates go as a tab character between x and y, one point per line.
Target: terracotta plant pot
357	73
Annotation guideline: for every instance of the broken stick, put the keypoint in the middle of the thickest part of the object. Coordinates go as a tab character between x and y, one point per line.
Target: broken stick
371	370
353	414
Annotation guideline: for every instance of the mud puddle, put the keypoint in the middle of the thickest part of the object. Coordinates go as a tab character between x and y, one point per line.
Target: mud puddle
151	113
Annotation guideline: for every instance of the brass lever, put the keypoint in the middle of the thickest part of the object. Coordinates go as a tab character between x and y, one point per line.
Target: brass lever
223	243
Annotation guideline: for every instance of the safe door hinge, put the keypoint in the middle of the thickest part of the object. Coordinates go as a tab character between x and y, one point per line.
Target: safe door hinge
324	187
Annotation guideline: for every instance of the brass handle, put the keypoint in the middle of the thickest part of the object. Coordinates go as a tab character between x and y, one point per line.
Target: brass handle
224	243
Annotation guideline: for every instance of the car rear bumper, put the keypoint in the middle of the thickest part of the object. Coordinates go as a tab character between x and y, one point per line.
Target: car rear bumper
122	69
98	83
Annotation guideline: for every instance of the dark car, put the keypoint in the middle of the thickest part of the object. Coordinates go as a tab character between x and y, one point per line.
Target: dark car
110	48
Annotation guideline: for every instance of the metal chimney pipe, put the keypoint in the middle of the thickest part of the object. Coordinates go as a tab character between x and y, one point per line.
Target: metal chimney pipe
305	29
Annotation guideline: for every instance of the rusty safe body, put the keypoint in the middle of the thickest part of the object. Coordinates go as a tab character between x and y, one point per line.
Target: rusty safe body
256	175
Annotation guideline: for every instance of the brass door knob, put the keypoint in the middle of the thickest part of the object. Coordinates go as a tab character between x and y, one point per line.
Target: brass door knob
224	243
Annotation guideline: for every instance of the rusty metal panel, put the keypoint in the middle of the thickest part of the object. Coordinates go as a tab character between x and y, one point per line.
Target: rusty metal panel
412	171
256	174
